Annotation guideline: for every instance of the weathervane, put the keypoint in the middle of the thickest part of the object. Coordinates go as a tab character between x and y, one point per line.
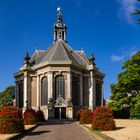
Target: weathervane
59	10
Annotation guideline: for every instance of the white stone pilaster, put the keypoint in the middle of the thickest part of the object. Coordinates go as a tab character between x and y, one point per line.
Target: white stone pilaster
94	91
69	85
51	77
69	113
38	91
50	85
81	90
69	109
25	90
91	90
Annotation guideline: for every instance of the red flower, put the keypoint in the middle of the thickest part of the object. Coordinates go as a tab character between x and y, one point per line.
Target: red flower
10	117
86	117
103	119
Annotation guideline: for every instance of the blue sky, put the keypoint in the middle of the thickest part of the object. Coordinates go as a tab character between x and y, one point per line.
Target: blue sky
104	28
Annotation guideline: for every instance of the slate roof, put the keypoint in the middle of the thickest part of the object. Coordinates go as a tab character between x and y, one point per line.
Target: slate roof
59	51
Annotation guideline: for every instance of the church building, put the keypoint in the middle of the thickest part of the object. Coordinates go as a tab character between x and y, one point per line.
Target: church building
59	80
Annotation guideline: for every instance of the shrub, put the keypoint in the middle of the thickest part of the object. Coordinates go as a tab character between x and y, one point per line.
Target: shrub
11	120
30	117
124	113
103	119
135	111
86	117
40	115
78	114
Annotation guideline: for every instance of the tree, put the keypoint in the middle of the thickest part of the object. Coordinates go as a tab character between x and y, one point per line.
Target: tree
126	92
137	12
7	96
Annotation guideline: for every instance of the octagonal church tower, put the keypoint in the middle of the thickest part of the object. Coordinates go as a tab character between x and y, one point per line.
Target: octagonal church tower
59	80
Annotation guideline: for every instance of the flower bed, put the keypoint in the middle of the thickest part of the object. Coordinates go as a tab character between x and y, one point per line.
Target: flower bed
78	114
30	117
103	119
86	117
11	120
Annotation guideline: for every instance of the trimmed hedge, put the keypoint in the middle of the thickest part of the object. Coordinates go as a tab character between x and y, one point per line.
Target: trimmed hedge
30	117
86	117
11	120
103	119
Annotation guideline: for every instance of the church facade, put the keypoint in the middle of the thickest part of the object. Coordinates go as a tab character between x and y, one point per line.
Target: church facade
59	80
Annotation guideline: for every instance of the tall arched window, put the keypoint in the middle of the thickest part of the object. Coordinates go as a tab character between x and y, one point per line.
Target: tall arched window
20	95
59	86
98	94
44	91
75	90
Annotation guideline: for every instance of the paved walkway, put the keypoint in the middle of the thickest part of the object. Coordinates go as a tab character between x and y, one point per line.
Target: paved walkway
58	130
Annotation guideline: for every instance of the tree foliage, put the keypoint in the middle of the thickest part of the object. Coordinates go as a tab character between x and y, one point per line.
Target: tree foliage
7	96
126	92
137	12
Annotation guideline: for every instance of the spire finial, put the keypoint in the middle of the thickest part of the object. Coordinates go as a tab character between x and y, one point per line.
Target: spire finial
27	58
59	16
59	29
92	59
59	10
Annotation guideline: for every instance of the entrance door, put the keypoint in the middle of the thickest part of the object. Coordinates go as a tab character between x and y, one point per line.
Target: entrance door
63	113
60	113
56	113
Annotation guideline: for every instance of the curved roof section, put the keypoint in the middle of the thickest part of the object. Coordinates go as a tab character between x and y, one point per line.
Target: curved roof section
60	51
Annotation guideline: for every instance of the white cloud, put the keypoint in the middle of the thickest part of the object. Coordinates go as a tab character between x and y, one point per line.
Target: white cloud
126	53
133	52
127	7
115	58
